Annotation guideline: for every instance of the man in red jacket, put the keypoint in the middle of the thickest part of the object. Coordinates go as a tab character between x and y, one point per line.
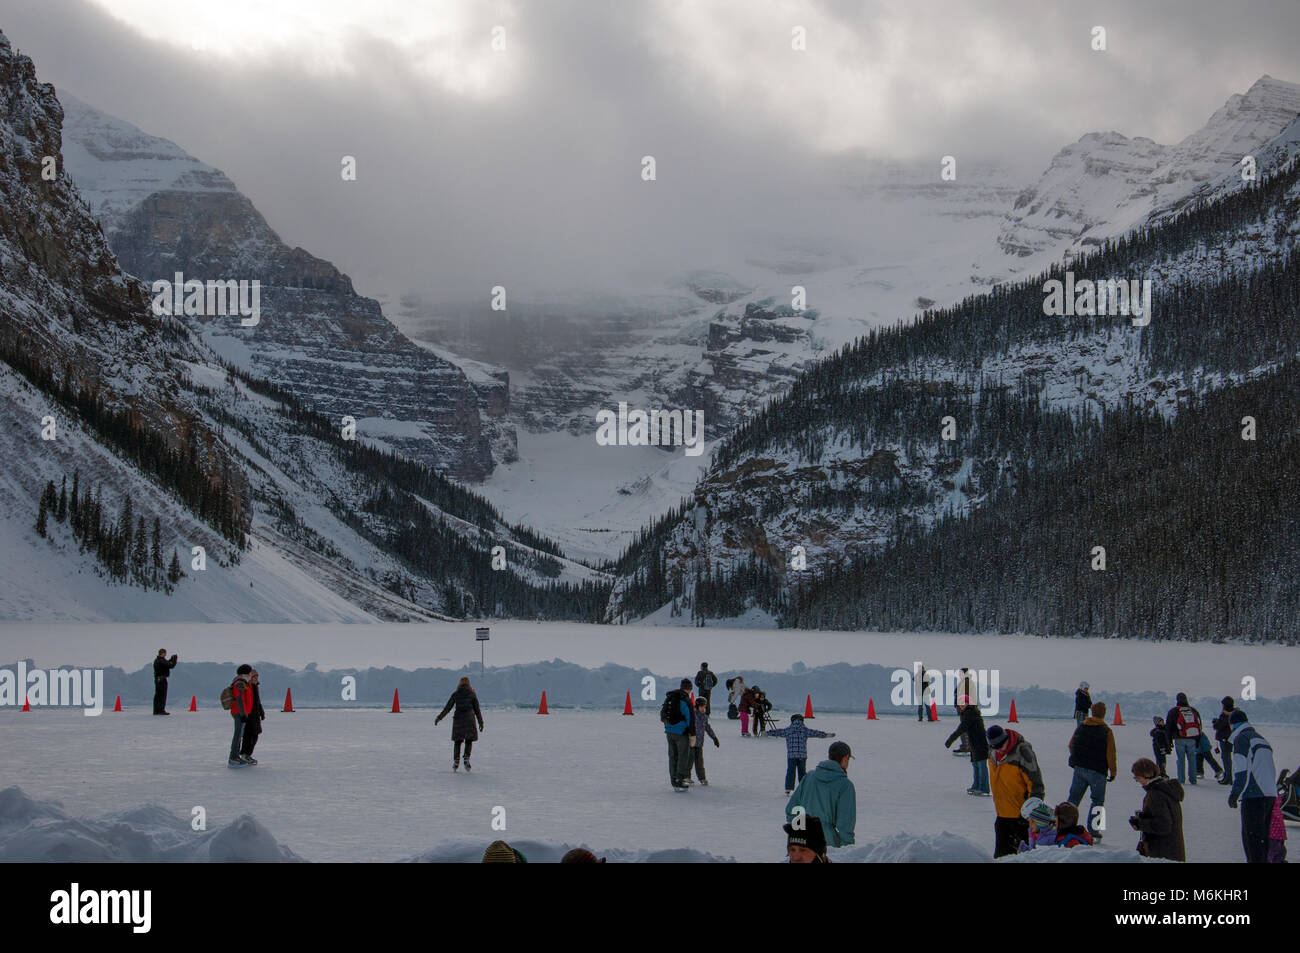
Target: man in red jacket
241	707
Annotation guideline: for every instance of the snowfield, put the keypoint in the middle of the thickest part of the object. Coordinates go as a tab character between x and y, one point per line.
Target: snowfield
367	785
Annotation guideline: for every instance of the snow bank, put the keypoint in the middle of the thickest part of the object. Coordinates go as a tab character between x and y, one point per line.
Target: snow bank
34	831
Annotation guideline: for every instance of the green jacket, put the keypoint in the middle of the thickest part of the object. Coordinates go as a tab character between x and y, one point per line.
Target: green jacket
827	793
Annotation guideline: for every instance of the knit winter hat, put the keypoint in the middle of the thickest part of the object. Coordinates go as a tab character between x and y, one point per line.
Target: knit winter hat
499	852
1084	686
1035	809
812	837
1237	717
1228	703
580	855
997	735
1157	721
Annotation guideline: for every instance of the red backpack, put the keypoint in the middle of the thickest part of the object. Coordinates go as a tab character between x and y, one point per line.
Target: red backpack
1189	723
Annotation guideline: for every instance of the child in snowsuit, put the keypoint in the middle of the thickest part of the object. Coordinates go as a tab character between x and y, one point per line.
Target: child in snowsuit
796	748
1042	824
1277	835
1161	746
702	728
1069	832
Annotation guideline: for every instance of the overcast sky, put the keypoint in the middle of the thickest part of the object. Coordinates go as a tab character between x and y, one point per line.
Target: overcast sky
472	161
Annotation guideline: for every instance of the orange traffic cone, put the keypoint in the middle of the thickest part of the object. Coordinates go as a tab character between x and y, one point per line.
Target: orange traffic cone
397	709
1119	719
194	703
627	705
1012	716
26	706
542	708
288	700
934	711
807	709
117	705
871	710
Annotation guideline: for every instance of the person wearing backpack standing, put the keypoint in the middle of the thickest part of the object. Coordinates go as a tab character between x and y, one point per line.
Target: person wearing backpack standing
467	713
1092	755
253	723
162	668
1222	726
241	706
678	721
1254	786
1183	722
704	683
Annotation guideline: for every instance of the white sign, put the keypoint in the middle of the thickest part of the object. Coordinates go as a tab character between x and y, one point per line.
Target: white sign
480	635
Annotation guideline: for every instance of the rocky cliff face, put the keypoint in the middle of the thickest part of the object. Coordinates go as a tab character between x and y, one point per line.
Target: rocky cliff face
165	212
1105	184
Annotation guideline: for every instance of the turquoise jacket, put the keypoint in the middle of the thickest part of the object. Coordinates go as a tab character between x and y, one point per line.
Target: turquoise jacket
827	793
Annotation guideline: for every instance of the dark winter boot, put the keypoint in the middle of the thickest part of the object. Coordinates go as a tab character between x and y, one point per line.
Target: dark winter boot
467	764
455	765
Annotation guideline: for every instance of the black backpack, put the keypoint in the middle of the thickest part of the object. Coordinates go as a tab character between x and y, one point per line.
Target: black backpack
670	712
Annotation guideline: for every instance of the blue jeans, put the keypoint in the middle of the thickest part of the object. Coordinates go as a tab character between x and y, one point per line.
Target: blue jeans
980	769
1185	758
238	739
1085	779
791	766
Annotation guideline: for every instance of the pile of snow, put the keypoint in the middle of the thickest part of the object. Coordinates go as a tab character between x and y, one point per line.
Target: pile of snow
34	831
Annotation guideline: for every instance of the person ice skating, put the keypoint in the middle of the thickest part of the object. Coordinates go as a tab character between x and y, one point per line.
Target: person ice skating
1040	822
796	737
1069	832
806	846
1161	745
1082	702
745	706
923	712
734	687
965	688
704	683
581	856
463	723
1204	753
1160	821
1222	728
971	731
499	852
253	723
241	706
677	717
1277	834
827	793
1014	778
162	669
702	728
1254	786
1092	755
1183	723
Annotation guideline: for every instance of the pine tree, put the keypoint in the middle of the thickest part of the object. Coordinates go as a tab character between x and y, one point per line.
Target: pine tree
140	552
74	504
155	555
174	573
61	514
41	518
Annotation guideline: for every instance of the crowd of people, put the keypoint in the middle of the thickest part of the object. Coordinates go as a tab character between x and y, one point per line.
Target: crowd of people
821	810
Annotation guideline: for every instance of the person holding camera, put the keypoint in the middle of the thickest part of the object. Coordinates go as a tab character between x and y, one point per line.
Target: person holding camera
1160	821
162	668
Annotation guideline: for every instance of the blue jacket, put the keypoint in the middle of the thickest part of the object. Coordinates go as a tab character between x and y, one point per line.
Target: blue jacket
827	793
1252	762
680	728
796	738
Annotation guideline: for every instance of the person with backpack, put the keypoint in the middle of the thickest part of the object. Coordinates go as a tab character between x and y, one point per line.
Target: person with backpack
162	669
677	717
1222	726
971	732
704	683
827	793
237	698
1082	703
1160	820
1014	777
463	730
1254	788
1183	722
796	748
253	723
702	728
1092	755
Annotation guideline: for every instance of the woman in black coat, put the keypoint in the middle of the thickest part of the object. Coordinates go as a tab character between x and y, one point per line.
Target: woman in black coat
972	729
253	724
462	722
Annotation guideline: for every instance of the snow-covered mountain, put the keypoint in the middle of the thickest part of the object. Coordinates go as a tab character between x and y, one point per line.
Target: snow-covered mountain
164	212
